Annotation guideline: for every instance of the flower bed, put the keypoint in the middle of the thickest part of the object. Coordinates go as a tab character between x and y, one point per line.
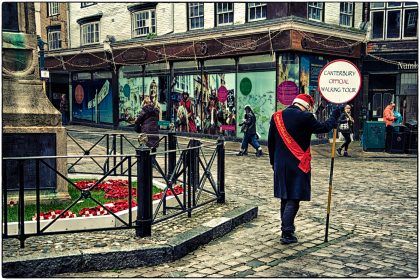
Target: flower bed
114	189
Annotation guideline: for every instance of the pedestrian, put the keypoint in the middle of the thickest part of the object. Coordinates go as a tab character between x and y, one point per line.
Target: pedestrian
345	126
186	102
148	120
250	133
389	118
64	109
289	142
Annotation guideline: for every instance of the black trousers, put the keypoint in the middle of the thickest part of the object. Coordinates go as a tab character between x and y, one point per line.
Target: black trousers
347	139
288	211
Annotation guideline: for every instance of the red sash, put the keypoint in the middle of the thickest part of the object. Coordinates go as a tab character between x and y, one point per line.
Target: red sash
292	145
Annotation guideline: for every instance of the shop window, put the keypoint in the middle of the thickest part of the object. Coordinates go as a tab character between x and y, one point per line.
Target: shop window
144	23
410	23
315	11
256	88
195	16
90	33
224	13
54	38
393	21
257	11
346	14
53	8
408	84
87	4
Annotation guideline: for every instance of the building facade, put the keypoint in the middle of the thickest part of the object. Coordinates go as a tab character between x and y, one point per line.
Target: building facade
390	68
224	55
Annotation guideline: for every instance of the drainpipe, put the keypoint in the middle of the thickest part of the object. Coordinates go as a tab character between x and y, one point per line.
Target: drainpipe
173	17
68	26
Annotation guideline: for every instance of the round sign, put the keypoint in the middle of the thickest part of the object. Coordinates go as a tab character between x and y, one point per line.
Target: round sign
222	93
339	81
126	90
245	86
79	94
286	92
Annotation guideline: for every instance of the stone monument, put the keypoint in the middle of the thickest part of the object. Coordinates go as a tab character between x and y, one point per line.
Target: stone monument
31	124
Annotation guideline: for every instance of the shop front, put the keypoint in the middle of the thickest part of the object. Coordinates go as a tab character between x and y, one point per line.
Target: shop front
211	80
391	75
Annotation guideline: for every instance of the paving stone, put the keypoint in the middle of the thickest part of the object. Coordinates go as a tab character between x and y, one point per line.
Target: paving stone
364	240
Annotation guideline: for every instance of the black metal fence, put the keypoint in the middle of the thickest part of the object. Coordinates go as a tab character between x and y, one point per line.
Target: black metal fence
188	167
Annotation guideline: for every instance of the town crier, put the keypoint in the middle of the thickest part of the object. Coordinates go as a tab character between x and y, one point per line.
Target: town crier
289	141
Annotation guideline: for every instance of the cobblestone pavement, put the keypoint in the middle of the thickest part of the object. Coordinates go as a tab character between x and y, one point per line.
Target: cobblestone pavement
373	223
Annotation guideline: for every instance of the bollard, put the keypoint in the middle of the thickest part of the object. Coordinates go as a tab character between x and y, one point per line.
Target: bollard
195	169
5	203
144	192
221	169
21	210
171	161
190	177
114	148
172	155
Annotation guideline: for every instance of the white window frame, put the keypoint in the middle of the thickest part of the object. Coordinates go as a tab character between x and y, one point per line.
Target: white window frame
54	39
150	23
53	8
347	12
386	9
253	7
225	11
87	4
315	6
191	7
83	36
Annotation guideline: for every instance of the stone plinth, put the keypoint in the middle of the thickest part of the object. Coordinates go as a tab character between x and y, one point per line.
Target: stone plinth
31	124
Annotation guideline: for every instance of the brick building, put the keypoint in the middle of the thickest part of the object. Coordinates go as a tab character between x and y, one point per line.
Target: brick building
240	52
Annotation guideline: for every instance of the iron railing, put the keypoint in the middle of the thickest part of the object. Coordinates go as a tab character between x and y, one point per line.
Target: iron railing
187	167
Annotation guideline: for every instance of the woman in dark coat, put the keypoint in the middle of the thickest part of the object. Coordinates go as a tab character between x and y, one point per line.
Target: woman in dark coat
291	183
148	119
345	126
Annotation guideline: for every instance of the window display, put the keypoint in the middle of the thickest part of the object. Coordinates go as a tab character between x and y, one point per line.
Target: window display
92	99
257	90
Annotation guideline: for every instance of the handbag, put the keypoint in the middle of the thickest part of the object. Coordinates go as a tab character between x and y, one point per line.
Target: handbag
344	126
137	127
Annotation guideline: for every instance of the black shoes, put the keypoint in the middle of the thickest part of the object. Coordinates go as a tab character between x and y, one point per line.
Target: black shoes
288	238
346	154
242	153
259	153
339	151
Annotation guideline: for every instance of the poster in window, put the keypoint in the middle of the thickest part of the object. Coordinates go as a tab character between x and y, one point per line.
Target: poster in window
261	98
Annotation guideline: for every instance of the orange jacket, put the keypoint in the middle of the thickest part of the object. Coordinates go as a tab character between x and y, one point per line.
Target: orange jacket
389	115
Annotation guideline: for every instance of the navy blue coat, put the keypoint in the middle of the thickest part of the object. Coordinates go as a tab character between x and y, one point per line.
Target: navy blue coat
289	181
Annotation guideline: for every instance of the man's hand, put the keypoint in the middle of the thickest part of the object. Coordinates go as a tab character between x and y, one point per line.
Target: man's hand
337	111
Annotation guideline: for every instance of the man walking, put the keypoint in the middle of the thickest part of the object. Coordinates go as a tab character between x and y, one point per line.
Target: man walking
289	140
250	133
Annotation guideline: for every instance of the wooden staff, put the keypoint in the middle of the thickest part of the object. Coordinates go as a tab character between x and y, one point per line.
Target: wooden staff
330	184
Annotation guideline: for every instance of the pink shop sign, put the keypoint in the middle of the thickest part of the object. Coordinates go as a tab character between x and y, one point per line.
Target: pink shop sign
286	92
